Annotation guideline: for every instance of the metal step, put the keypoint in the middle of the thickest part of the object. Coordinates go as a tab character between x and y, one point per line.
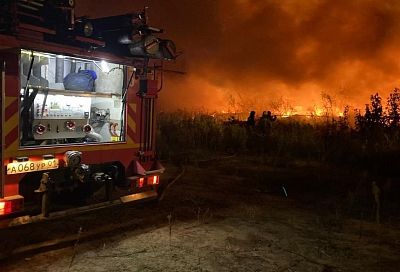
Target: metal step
148	195
22	220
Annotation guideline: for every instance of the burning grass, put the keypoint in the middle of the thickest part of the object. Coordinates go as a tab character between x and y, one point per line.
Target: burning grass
368	139
369	149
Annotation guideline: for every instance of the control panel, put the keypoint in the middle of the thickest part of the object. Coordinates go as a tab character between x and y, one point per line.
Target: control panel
60	116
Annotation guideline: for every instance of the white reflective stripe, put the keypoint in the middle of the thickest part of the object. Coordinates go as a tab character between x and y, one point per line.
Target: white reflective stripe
2	120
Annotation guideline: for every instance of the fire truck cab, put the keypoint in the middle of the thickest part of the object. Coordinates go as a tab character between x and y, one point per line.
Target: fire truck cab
78	108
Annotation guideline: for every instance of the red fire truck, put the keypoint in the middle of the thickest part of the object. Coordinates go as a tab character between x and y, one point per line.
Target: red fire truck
78	109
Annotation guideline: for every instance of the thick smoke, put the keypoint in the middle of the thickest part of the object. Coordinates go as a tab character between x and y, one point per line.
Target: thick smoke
243	53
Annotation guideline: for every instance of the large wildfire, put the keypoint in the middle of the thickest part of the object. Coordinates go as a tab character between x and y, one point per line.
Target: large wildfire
289	56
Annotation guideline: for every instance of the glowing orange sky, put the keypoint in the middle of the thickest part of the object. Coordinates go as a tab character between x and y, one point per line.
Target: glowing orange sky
240	54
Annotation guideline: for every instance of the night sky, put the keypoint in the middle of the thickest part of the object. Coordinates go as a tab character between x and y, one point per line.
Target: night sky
240	54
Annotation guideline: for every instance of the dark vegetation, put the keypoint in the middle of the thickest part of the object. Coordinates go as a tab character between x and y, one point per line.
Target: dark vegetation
365	146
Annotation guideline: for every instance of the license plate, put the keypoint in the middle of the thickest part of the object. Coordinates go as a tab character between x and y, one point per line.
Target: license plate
31	166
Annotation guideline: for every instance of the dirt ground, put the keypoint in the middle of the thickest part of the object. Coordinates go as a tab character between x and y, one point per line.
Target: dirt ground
227	214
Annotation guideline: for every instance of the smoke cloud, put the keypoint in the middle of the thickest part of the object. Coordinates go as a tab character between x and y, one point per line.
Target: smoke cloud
242	54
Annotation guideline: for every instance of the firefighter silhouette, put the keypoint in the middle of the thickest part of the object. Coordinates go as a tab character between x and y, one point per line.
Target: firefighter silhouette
251	120
265	122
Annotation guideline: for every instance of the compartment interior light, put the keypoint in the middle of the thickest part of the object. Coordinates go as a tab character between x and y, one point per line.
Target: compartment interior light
104	66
